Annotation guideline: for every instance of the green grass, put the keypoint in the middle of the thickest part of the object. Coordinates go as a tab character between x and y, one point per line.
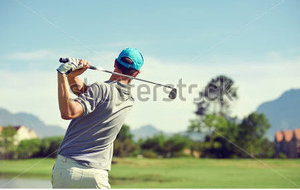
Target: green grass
180	173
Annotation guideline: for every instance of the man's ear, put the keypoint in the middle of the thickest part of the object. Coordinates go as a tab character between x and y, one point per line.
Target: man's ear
115	65
136	73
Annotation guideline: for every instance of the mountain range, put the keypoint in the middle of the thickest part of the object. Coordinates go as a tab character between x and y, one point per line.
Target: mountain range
145	131
149	131
283	113
31	121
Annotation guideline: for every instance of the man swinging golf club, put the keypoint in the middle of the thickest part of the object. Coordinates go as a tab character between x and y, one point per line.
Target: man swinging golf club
85	154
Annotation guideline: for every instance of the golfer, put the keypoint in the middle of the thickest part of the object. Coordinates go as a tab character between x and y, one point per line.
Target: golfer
97	115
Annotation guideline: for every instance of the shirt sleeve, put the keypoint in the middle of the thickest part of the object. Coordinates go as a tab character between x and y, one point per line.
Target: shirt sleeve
91	98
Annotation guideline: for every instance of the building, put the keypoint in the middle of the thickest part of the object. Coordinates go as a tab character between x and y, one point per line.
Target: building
22	133
288	143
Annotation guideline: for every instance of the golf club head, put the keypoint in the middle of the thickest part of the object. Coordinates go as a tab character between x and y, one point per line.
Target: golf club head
173	93
63	60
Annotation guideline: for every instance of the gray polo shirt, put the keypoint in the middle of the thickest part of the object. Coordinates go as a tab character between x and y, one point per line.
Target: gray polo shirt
89	138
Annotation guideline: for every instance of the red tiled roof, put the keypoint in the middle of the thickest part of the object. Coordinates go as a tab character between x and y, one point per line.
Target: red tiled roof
297	134
17	127
288	135
278	136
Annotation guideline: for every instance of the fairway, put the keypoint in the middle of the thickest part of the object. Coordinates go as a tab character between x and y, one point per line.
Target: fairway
179	172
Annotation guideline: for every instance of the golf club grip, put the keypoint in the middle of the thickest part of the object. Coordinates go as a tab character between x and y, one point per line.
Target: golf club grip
93	67
65	60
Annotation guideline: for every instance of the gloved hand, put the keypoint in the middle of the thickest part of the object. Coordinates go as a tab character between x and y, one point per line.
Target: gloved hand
66	68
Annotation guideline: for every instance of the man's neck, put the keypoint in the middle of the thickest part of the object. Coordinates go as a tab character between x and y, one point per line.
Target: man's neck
118	78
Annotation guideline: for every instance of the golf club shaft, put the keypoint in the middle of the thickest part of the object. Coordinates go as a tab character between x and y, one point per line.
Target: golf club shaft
172	94
123	75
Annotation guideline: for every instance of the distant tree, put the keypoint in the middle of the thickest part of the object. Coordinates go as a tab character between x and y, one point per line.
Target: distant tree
149	154
251	134
124	133
29	148
220	138
163	146
214	125
124	145
225	137
217	95
7	142
196	125
173	146
49	146
221	125
202	106
155	144
267	149
213	119
124	148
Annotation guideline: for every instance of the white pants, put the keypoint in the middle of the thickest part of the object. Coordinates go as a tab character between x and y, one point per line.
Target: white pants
67	173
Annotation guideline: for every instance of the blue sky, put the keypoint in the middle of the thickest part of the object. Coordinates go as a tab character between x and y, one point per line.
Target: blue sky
256	43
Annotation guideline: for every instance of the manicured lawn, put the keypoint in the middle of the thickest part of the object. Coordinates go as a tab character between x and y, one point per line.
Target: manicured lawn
179	172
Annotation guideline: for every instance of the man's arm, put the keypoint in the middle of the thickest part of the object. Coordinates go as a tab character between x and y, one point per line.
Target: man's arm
69	109
76	85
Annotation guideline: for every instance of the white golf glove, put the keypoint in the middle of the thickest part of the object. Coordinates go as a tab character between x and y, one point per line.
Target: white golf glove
66	68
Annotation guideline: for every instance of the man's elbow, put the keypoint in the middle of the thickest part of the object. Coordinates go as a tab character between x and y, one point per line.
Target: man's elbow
67	116
71	113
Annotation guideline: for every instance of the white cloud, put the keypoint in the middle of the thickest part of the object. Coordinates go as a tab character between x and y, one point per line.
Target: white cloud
30	56
32	92
257	82
36	92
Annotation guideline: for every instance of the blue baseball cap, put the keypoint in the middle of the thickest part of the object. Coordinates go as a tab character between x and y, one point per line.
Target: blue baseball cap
135	56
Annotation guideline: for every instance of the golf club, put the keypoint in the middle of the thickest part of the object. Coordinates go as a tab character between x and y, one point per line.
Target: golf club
172	94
